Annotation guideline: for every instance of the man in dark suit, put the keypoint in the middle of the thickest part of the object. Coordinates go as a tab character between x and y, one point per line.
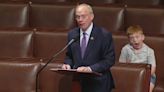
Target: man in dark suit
93	51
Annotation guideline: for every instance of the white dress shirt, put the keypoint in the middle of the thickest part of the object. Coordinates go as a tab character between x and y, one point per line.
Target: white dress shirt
88	33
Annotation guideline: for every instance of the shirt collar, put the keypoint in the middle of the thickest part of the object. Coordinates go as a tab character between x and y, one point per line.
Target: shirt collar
141	49
88	31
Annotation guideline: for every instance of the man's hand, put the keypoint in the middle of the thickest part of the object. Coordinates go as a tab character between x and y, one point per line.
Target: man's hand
66	66
84	69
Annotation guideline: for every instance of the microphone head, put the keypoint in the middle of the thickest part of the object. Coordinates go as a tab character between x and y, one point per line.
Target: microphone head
72	40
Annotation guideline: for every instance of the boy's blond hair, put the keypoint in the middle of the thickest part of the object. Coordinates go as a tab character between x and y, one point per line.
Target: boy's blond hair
134	29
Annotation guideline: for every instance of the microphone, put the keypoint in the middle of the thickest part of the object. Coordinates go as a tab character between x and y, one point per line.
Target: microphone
53	57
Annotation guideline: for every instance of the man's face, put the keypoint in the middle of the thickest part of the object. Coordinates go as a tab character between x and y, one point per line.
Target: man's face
83	17
136	40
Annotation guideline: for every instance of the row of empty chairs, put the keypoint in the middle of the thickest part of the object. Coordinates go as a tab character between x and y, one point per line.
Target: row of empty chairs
127	2
113	18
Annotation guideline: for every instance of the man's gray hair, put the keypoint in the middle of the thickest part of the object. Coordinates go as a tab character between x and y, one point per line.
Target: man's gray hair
86	5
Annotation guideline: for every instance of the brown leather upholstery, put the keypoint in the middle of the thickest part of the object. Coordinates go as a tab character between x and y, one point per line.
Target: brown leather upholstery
131	77
18	76
119	42
111	18
13	1
139	2
52	16
54	82
53	1
16	44
151	19
142	2
47	44
127	2
157	43
14	15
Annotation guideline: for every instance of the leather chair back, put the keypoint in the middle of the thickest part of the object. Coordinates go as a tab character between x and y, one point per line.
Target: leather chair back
46	44
111	18
52	16
14	15
16	44
131	77
18	76
150	19
157	43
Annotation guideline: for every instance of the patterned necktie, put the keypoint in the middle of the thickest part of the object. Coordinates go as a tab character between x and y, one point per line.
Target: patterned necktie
83	45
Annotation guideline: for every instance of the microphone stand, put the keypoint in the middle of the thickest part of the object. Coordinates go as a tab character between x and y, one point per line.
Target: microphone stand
50	60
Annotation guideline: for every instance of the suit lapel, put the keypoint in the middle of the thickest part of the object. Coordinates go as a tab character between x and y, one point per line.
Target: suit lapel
77	45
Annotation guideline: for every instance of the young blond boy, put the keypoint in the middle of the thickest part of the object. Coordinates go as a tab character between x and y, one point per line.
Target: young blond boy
136	51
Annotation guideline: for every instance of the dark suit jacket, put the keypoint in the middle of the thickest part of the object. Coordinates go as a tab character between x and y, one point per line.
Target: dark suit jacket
99	55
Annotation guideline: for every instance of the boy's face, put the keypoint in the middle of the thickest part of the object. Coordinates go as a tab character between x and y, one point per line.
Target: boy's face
136	40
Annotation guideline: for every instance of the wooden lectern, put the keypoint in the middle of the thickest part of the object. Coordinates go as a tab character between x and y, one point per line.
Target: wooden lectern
75	84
